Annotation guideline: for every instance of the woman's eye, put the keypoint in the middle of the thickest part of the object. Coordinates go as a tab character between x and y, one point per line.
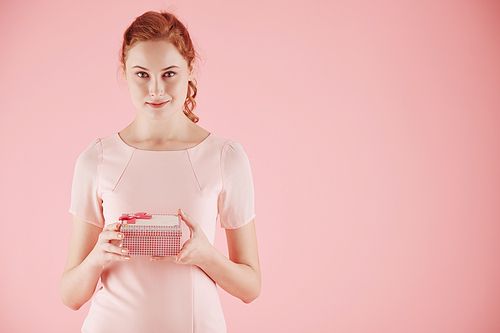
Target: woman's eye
169	74
142	74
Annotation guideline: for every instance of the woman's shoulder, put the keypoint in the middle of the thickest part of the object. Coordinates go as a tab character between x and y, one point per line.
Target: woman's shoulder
230	151
113	144
103	146
223	143
92	153
97	143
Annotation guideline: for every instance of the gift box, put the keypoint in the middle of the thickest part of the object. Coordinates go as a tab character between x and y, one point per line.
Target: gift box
151	234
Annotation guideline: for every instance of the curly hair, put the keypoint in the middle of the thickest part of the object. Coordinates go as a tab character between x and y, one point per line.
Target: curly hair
153	26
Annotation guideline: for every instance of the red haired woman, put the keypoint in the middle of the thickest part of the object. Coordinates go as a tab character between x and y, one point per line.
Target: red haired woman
162	163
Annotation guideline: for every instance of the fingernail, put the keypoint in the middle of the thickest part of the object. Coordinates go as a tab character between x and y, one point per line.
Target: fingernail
154	259
127	258
124	251
120	235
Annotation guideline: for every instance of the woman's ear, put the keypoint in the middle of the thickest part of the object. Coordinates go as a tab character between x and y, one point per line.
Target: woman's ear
191	73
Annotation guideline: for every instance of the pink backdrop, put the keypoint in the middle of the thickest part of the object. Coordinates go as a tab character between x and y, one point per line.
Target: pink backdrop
373	128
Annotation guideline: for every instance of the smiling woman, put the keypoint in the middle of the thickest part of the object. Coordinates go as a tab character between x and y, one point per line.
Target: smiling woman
162	162
166	27
158	78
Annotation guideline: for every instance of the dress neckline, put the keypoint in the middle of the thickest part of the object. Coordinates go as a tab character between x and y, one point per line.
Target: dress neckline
117	134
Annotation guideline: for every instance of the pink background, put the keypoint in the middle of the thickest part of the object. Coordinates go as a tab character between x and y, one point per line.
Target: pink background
373	128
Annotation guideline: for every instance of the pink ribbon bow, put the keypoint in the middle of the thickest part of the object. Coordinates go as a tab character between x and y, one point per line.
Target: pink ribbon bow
130	218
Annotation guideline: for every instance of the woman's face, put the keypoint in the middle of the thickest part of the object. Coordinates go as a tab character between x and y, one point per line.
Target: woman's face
157	76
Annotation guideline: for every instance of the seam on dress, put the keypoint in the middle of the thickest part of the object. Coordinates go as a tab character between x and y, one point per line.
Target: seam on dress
194	171
223	152
192	299
98	180
99	168
222	162
123	171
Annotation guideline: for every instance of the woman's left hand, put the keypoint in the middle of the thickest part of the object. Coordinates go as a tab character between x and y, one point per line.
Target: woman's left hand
197	250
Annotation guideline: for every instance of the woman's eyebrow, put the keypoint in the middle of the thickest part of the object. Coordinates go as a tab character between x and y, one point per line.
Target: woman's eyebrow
164	69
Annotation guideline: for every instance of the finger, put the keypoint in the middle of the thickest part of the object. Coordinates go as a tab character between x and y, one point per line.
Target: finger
118	243
116	257
183	255
190	222
110	248
107	236
111	253
113	227
179	260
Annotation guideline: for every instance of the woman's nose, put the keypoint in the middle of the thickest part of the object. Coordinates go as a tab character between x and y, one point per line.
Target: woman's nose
156	88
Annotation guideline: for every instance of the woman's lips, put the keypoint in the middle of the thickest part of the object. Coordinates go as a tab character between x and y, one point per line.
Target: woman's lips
157	105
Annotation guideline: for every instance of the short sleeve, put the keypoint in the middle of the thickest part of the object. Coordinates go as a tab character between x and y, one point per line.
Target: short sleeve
85	201
236	200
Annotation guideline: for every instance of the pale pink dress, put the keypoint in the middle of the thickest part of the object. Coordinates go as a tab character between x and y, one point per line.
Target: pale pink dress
209	180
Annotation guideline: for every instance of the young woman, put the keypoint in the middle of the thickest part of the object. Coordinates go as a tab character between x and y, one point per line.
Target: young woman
162	163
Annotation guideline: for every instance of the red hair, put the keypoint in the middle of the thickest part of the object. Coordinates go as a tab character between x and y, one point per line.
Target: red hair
153	26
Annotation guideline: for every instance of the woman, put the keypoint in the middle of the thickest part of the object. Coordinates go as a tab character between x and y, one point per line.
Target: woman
162	163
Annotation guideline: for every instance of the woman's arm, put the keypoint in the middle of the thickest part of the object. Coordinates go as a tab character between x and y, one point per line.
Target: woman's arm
89	250
240	274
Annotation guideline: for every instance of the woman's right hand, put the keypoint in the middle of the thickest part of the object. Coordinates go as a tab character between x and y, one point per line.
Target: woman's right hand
90	248
108	247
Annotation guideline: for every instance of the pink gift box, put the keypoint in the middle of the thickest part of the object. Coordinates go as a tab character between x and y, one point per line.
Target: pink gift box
151	234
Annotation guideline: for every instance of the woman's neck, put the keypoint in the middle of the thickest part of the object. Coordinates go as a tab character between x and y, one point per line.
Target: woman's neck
176	133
